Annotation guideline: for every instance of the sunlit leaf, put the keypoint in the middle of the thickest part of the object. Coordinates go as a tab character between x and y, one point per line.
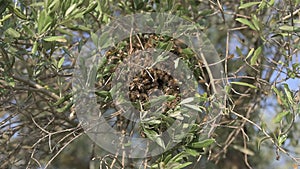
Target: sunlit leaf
202	144
244	150
192	152
281	139
255	56
60	62
250	53
180	166
28	30
5	17
260	141
192	106
244	84
239	51
55	38
35	47
44	22
246	22
289	28
288	94
70	9
249	4
13	33
187	100
18	12
65	108
256	22
280	116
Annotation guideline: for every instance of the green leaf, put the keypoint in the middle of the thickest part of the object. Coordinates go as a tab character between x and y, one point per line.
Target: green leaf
62	100
37	4
187	100
244	84
227	89
244	150
103	93
104	40
260	141
249	4
54	6
250	53
280	116
271	3
28	30
256	55
65	108
178	157
5	17
246	22
44	22
18	12
177	115
149	121
168	158
91	7
60	62
160	142
256	22
70	9
13	33
188	51
262	5
289	28
281	139
239	51
159	100
35	47
55	38
180	166
206	12
192	152
288	94
202	144
194	107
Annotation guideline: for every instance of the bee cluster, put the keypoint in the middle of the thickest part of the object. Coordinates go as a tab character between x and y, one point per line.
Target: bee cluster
150	80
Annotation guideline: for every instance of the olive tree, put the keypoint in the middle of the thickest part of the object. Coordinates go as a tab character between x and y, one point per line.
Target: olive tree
257	43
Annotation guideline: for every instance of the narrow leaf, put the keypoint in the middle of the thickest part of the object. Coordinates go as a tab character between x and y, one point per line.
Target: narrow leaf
60	62
70	9
180	166
256	22
280	116
260	141
290	28
202	144
256	55
243	150
244	84
187	100
246	22
250	53
249	4
13	33
288	94
194	107
239	51
35	47
55	38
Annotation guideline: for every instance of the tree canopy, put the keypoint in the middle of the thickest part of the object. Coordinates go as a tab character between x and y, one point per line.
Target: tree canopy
43	46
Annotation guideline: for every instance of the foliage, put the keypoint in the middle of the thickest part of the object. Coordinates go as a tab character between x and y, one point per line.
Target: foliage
259	46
